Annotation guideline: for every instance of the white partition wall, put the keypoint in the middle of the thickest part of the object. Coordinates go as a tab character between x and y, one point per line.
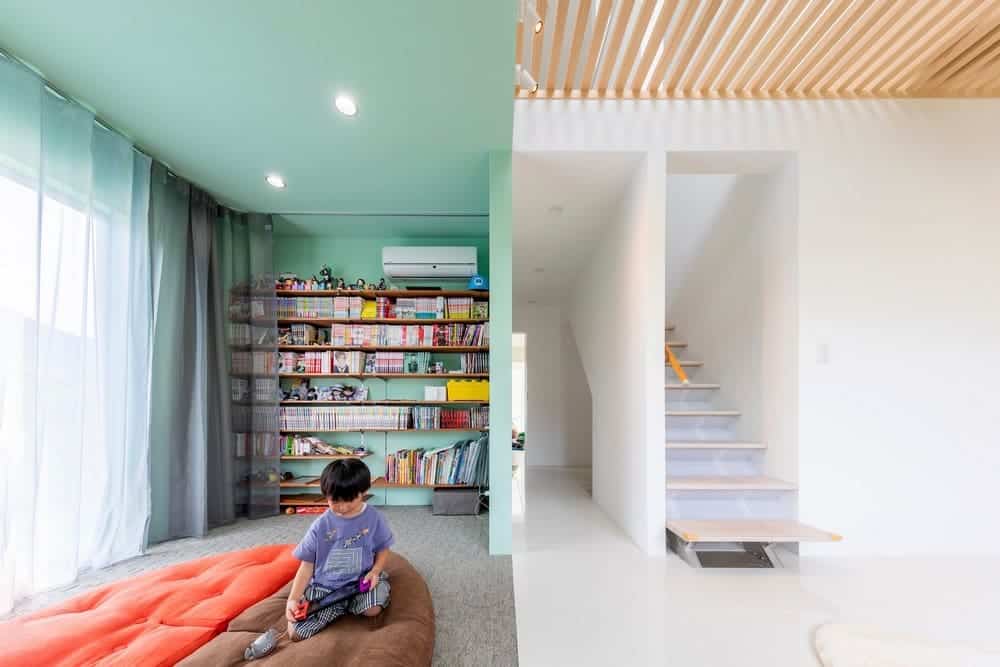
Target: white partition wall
897	256
617	318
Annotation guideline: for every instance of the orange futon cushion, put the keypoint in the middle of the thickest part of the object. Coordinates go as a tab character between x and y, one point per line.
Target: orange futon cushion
153	619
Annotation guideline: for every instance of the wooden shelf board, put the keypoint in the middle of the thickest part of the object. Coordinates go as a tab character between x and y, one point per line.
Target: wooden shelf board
326	321
300	485
392	294
389	430
687	364
307	500
703	413
323	457
384	348
748	530
307	404
691	386
716	444
380	483
728	483
676	343
361	376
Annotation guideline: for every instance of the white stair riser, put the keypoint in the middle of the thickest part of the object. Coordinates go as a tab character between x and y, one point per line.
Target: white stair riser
731	505
669	377
701	463
690	396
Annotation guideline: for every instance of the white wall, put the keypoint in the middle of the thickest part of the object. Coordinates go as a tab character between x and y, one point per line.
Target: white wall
714	285
898	254
617	319
558	398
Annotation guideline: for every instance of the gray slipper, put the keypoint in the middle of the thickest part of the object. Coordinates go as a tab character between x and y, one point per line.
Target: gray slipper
263	645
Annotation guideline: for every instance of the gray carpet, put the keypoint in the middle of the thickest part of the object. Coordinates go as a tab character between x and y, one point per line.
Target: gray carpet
473	592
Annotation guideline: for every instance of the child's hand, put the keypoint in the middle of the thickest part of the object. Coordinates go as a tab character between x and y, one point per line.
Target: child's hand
291	609
372	578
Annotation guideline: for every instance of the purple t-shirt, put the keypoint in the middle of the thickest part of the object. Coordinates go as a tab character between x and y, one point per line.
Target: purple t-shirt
343	550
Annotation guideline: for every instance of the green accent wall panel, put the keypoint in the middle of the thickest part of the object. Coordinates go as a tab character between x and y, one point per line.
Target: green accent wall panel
501	329
353	253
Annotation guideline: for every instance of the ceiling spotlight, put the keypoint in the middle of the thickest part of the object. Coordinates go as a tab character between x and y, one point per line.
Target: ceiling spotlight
346	105
529	12
524	79
275	181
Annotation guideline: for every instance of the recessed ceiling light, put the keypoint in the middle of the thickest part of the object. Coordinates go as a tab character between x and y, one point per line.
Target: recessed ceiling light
346	105
275	181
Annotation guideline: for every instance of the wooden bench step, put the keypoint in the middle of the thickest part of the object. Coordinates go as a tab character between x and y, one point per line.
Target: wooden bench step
716	444
748	530
728	483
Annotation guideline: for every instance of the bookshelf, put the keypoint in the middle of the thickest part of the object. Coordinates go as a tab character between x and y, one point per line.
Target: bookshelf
446	352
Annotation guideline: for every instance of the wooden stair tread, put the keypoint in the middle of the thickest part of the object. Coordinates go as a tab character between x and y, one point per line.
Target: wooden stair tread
676	343
728	483
691	385
716	444
686	364
748	530
703	413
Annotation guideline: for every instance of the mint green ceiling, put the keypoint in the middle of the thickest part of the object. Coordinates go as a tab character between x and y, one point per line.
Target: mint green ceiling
226	91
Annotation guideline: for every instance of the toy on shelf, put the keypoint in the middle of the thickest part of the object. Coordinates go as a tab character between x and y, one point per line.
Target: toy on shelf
325	280
341	284
382	285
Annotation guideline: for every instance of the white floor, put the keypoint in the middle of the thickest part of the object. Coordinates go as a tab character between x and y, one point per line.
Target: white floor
584	595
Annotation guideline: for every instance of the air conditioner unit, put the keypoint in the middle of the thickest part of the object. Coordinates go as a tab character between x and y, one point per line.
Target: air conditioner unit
429	262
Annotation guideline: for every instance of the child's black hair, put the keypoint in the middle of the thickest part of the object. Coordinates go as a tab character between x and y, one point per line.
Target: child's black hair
345	479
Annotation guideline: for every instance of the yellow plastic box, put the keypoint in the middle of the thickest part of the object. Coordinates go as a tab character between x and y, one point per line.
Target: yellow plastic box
468	390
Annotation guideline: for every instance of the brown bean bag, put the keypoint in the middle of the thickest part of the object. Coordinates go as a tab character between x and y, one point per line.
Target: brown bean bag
402	635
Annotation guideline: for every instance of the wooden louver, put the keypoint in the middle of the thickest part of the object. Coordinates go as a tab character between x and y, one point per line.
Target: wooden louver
623	49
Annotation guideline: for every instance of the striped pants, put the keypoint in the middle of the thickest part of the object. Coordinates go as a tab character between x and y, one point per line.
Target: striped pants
356	604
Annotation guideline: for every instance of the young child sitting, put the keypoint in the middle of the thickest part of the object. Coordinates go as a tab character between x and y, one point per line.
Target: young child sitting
346	546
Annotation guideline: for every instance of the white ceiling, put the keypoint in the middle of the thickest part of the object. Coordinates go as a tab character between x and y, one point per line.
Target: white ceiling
562	201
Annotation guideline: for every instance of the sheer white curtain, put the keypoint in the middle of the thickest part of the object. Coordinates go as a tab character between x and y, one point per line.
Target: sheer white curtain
75	334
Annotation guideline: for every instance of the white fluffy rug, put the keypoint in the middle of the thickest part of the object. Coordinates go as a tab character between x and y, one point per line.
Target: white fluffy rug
839	645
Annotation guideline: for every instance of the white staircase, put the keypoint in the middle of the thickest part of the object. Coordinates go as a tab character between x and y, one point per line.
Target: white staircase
721	510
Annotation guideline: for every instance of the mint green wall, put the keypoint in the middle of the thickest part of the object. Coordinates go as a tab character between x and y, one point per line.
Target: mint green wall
356	255
501	328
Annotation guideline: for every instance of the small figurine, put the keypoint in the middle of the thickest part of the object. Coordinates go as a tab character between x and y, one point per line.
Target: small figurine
370	287
311	394
326	278
341	284
360	284
381	284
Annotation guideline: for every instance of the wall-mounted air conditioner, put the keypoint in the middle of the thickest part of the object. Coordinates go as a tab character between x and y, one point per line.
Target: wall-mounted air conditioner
429	262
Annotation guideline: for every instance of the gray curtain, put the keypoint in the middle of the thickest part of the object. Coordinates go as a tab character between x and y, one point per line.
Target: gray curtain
192	465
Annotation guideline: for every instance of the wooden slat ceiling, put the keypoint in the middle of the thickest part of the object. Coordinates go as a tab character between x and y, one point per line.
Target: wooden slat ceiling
624	49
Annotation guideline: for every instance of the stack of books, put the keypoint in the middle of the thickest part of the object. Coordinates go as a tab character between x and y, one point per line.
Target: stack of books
305	307
420	308
258	362
465	463
476	362
302	334
459	307
345	418
256	444
426	418
347	307
470	418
